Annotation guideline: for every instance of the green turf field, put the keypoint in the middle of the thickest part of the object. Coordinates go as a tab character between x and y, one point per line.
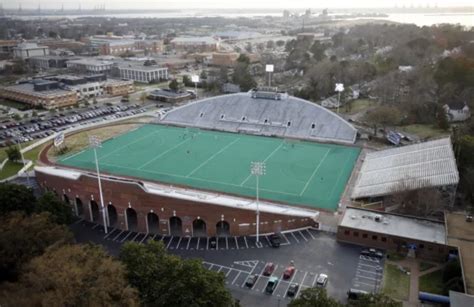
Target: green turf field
302	173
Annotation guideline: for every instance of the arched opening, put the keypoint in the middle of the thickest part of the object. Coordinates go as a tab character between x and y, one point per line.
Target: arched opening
176	226
153	222
223	229
132	220
95	213
66	199
199	228
112	215
79	206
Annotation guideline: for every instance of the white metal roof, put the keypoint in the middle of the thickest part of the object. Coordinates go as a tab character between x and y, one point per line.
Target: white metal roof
395	225
428	164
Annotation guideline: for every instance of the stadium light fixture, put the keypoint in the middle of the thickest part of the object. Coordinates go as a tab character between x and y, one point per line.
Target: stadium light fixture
195	79
269	69
257	169
95	143
339	88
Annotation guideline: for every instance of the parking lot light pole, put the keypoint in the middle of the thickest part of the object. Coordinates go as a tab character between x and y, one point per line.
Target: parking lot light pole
95	143
257	169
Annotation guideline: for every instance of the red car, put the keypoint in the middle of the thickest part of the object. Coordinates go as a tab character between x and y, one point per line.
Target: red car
289	271
269	268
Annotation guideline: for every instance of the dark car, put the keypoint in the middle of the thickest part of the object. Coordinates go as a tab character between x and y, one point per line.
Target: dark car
275	240
251	280
271	285
269	268
355	294
292	290
371	252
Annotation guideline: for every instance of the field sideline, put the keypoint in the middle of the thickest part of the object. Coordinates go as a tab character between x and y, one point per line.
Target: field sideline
300	173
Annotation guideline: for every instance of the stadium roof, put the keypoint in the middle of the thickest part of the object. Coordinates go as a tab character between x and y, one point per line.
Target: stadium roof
395	225
428	164
284	117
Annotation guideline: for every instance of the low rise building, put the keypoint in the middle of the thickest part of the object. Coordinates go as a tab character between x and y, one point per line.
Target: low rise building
85	86
195	44
27	50
40	93
143	73
90	65
119	87
226	59
169	96
457	111
50	61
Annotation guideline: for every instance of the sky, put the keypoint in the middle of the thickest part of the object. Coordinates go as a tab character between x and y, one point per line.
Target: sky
242	4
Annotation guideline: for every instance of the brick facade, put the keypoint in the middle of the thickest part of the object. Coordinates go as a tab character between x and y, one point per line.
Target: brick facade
154	212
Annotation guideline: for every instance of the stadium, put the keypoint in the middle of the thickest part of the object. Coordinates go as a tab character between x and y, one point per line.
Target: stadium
188	172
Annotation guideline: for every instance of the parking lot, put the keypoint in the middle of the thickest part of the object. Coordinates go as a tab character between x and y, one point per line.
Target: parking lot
369	274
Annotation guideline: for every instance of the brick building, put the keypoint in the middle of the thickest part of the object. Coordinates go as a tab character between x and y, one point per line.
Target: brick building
119	87
227	59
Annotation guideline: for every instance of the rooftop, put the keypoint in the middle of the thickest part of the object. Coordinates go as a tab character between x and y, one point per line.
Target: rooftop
427	164
28	88
91	61
140	66
195	40
395	225
168	93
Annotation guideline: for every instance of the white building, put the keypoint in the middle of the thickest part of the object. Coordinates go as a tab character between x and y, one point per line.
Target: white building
141	73
457	112
91	65
27	50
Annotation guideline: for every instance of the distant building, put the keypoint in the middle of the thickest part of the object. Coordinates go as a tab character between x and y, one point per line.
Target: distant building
49	61
7	46
27	50
142	73
119	87
226	59
40	93
169	96
90	65
195	44
85	86
117	45
457	111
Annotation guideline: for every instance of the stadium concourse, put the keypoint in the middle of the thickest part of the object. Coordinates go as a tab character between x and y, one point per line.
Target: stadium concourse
188	174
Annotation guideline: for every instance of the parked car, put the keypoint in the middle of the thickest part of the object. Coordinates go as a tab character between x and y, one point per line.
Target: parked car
275	240
269	268
372	252
322	280
355	294
251	280
289	271
292	290
271	285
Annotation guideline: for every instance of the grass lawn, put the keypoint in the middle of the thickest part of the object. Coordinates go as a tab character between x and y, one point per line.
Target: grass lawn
432	282
426	266
10	169
393	256
357	105
14	104
396	284
424	131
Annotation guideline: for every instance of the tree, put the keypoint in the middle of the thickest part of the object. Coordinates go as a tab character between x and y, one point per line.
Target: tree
243	59
280	43
13	153
143	97
384	116
187	81
72	275
420	202
180	283
373	300
15	197
25	237
174	85
270	44
60	211
314	297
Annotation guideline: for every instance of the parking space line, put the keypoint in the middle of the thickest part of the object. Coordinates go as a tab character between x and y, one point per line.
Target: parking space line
118	235
179	242
110	232
212	264
303	236
217	243
235	279
366	277
94	227
189	241
369	265
301	284
220	269
146	236
236	243
361	282
297	241
207	243
280	281
197	245
135	236
268	241
287	241
128	234
369	272
290	282
258	276
246	244
310	234
230	270
315	278
276	267
226	243
169	242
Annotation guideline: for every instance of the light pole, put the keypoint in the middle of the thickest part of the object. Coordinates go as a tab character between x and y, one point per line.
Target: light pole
257	169
95	143
339	89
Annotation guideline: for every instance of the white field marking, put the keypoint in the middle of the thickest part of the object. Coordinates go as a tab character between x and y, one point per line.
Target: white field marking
366	277
268	157
171	240
163	153
297	241
236	243
127	145
189	241
135	236
301	284
73	155
303	236
146	236
250	273
117	235
310	234
246	244
128	234
290	282
213	156
110	232
236	278
197	245
179	242
314	172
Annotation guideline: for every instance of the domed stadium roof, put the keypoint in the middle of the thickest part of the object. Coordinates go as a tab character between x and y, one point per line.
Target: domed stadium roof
271	114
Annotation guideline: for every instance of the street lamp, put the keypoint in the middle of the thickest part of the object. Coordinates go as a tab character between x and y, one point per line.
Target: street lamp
95	143
339	89
257	169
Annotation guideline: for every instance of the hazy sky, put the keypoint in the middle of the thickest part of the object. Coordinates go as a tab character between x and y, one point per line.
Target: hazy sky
185	4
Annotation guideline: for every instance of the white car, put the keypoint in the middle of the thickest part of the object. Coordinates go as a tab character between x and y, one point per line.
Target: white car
322	280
